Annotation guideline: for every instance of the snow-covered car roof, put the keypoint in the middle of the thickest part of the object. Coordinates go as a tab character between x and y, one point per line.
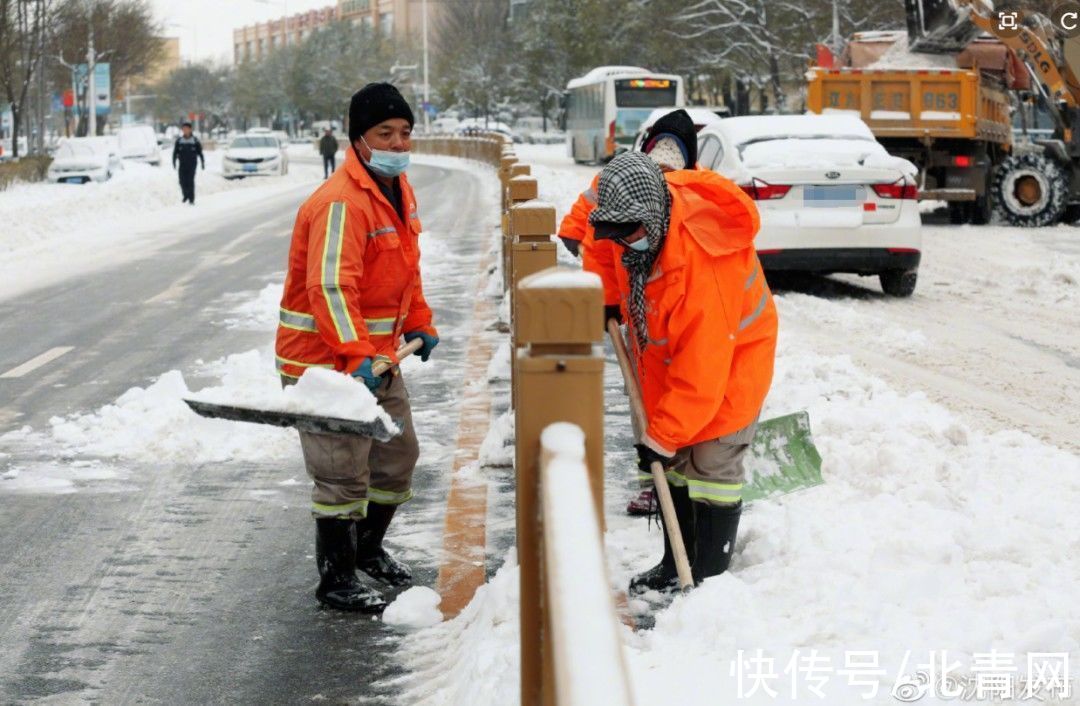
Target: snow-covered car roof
777	127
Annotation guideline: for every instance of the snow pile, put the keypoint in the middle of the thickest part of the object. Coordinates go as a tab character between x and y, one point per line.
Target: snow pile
472	659
498	446
154	425
900	57
256	311
136	211
852	317
319	391
499	366
418	607
920	540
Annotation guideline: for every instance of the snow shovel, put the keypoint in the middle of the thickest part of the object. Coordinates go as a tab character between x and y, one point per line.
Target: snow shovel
663	493
376	429
782	456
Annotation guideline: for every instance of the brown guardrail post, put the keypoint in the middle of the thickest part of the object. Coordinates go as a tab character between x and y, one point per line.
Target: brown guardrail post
560	379
519	188
532	223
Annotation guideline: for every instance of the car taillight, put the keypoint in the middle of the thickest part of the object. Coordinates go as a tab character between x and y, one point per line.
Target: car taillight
899	189
611	130
763	191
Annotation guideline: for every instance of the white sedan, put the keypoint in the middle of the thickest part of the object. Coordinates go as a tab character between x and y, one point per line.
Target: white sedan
254	155
78	160
831	198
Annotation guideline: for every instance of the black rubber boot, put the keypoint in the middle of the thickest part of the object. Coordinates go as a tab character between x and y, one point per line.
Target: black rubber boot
371	558
715	529
664	577
335	552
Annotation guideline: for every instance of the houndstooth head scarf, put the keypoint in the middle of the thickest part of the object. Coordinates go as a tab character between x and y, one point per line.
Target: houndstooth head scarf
632	189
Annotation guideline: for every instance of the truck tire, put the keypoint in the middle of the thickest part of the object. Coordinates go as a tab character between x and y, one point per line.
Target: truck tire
1030	190
898	283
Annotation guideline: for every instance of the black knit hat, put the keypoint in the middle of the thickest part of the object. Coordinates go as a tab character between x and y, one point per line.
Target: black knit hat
373	104
679	125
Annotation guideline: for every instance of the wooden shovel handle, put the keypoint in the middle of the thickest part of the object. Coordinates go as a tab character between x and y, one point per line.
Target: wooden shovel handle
663	493
381	366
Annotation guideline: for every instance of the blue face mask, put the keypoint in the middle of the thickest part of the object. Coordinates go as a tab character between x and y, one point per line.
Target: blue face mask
386	163
641	245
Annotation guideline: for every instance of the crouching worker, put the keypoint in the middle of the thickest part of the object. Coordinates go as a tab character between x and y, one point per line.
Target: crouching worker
702	328
352	293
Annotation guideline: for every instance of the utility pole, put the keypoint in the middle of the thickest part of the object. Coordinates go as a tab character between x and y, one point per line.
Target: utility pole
836	28
427	92
91	86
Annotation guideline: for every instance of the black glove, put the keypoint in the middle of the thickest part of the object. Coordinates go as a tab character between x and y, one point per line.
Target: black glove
612	311
646	456
572	245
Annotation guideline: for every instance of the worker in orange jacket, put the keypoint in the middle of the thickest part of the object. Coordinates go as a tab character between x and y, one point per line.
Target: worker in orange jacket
352	292
672	143
702	327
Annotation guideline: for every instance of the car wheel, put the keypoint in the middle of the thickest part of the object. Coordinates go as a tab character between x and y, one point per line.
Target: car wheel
898	283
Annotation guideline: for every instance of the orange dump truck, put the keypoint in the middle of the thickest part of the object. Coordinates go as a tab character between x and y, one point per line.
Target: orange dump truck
954	124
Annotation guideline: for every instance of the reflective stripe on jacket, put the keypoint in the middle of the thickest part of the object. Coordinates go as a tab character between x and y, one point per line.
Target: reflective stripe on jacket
712	321
353	285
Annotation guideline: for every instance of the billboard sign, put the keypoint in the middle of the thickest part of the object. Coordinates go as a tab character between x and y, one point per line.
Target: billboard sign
103	100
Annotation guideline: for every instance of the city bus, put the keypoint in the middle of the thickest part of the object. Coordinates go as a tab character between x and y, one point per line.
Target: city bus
603	109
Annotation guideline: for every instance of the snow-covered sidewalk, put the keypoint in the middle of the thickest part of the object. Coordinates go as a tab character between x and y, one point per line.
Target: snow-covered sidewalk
942	532
52	231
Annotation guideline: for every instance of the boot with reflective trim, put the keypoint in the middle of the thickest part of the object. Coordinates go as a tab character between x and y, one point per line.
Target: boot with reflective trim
664	577
715	528
336	556
371	558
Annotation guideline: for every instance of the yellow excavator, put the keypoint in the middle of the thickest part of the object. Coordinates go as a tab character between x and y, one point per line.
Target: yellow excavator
1037	184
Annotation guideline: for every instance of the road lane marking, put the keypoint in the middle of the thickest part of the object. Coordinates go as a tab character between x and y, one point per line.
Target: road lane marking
35	363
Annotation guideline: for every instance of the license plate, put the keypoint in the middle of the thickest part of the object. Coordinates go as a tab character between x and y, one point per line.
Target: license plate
72	180
833	195
250	168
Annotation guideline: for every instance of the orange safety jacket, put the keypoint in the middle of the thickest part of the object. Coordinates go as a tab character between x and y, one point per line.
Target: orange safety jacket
353	285
711	317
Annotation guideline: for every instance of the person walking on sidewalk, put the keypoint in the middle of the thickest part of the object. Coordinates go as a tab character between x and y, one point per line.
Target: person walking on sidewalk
702	327
187	154
328	147
352	292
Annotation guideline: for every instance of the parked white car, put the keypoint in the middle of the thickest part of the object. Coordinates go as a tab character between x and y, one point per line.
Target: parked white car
78	160
831	198
138	143
254	155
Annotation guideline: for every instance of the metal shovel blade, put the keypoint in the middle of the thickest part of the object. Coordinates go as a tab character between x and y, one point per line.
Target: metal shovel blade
782	458
939	26
376	429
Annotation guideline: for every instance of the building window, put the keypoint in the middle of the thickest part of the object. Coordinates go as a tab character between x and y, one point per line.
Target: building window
386	23
250	49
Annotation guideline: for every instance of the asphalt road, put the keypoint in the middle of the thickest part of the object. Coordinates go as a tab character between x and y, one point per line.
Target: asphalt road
190	587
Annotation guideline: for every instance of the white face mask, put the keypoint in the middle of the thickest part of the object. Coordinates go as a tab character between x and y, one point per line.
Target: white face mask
386	163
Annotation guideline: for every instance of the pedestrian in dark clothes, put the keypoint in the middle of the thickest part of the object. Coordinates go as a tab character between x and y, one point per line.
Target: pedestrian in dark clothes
187	152
328	147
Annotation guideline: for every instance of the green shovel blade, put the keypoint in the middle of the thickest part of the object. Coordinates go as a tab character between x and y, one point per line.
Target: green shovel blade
782	458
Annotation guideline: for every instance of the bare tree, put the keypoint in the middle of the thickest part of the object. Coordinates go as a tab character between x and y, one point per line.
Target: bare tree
125	35
22	24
